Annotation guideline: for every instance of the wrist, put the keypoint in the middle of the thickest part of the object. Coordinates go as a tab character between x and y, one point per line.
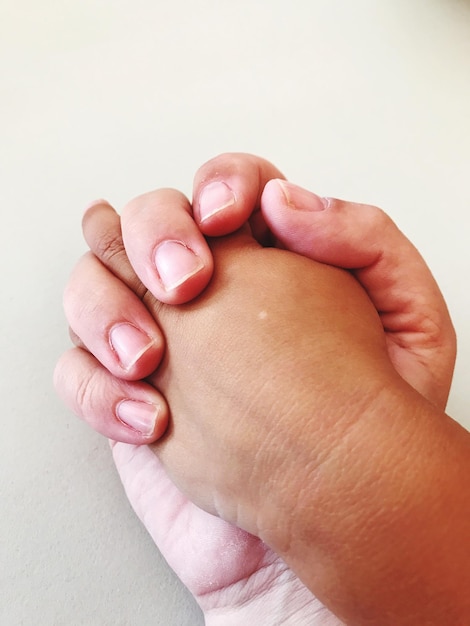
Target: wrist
381	524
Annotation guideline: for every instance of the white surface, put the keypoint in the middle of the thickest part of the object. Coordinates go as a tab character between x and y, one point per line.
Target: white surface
109	98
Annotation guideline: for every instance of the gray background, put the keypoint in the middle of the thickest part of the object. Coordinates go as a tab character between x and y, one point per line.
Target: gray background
365	100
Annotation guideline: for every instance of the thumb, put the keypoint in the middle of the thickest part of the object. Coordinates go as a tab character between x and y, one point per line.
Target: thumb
362	238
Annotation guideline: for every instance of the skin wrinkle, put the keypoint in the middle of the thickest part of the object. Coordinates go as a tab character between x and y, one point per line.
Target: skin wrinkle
84	392
88	309
196	350
364	478
414	317
348	440
318	456
108	246
262	571
287	609
277	439
388	517
317	470
111	250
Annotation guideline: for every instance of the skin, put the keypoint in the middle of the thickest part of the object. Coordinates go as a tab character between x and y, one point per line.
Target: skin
366	420
418	380
419	333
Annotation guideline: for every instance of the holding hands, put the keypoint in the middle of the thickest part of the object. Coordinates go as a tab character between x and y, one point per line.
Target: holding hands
306	401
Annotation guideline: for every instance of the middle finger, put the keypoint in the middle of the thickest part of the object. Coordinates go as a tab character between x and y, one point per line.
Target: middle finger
165	246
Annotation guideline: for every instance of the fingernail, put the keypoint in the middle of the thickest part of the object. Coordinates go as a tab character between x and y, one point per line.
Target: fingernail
214	198
175	263
301	199
140	416
129	343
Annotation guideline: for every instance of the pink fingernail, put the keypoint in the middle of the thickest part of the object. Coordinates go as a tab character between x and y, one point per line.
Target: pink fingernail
301	199
175	263
129	343
140	416
214	197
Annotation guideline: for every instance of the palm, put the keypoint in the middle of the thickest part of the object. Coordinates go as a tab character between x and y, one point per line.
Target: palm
225	568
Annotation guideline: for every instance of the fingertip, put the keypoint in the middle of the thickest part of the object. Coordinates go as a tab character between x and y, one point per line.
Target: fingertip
213	198
189	289
167	250
220	206
293	215
182	271
138	352
227	189
92	207
272	194
147	420
289	196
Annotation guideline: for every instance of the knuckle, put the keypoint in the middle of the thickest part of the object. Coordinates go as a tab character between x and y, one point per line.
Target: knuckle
75	380
438	332
109	248
378	216
85	393
81	304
